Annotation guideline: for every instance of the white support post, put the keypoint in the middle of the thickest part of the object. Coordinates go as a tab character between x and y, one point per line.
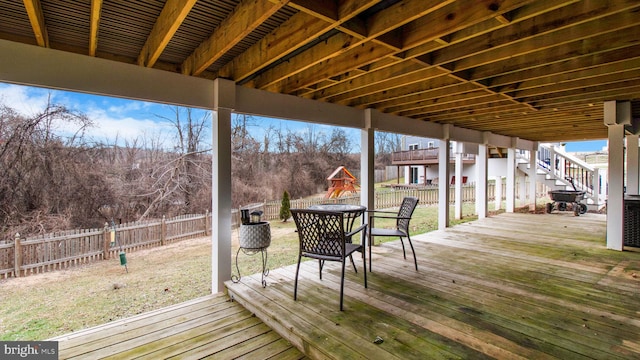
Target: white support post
521	194
633	185
616	116
562	166
367	157
221	185
596	187
511	180
615	202
481	182
458	185
498	193
533	167
443	184
553	161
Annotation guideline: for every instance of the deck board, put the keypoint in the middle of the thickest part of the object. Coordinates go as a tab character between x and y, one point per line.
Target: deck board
211	326
512	286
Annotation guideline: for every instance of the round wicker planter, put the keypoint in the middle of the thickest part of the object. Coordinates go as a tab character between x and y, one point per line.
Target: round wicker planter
255	235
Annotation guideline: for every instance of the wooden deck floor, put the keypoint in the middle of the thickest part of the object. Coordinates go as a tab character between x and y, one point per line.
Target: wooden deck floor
208	327
513	286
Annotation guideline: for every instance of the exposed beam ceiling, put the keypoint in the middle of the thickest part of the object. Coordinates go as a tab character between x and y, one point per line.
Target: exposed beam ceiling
535	69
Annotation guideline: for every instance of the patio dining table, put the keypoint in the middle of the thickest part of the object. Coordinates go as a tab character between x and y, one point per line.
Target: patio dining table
350	212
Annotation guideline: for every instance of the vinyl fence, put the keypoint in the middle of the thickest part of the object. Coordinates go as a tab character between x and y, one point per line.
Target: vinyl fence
48	252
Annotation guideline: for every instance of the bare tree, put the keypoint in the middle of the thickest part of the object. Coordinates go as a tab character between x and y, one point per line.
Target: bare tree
179	179
48	181
385	144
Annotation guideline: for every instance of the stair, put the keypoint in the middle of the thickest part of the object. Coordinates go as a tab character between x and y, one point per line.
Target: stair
557	169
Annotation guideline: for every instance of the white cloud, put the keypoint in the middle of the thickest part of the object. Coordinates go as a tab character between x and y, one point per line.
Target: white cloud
25	100
108	127
124	107
113	118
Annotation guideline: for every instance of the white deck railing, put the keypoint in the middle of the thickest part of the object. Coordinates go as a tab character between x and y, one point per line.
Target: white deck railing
571	172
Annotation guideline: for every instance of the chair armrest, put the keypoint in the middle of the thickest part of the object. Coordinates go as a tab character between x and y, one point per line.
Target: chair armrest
389	217
357	230
382	211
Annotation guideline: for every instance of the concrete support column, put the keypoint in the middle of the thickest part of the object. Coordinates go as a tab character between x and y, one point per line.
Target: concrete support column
498	192
533	166
224	95
458	185
616	116
511	180
481	181
443	184
633	185
367	157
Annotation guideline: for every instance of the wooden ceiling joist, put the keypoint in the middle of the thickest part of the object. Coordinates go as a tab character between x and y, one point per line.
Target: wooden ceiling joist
170	19
247	16
36	17
96	8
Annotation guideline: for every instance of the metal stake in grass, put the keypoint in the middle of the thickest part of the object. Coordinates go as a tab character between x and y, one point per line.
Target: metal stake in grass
108	212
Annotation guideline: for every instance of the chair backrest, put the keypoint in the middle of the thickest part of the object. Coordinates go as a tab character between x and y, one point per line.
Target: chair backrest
321	233
407	207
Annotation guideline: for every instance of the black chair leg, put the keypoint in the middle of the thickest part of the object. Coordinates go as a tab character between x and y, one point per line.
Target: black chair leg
415	260
364	264
295	284
342	284
370	243
353	263
403	252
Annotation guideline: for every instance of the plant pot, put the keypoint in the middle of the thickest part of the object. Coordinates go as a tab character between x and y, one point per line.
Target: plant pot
255	235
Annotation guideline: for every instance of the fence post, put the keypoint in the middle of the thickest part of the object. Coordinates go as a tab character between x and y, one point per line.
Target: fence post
17	255
106	236
206	223
163	230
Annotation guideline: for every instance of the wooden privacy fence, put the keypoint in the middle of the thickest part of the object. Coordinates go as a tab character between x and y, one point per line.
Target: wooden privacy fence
22	257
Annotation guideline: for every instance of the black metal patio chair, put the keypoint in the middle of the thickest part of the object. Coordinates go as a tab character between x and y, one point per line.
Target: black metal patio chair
402	217
322	237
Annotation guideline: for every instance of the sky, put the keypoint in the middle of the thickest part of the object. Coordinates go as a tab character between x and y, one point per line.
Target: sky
586	146
124	119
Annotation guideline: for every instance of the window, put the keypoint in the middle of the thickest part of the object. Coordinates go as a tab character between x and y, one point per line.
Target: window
413	147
